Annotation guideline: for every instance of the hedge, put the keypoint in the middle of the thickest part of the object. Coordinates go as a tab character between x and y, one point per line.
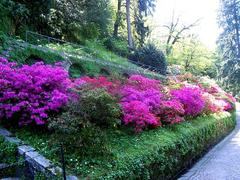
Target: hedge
162	153
165	153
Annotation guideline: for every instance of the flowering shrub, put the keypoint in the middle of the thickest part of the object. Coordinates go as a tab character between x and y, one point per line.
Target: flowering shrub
31	92
143	83
191	98
211	104
141	99
171	112
102	82
139	106
137	113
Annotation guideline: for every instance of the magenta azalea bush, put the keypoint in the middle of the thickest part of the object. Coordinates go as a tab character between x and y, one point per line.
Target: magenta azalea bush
139	106
138	114
191	98
30	93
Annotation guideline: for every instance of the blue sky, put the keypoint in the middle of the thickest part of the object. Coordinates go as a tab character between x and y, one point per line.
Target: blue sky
189	11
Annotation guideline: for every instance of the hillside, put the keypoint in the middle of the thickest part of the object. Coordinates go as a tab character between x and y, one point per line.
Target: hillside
92	59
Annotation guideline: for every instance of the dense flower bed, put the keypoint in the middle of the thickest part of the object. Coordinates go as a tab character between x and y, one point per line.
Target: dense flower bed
31	94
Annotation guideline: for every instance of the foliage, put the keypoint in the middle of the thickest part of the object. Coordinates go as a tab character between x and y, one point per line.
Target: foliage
229	44
30	93
194	57
100	108
150	55
8	152
118	46
31	55
161	153
82	123
94	55
90	31
13	16
74	129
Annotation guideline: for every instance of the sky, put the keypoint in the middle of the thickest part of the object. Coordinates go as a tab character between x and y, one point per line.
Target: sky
189	11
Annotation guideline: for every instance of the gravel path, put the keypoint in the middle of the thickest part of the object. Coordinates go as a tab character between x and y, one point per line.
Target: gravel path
222	162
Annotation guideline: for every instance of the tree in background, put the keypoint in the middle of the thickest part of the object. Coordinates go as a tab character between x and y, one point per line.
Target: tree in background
129	26
193	56
229	44
119	17
175	33
143	9
13	16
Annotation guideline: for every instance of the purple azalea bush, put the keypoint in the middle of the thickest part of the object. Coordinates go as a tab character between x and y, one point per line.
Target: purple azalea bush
30	93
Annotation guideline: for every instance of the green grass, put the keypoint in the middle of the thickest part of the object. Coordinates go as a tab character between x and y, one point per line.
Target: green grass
160	153
96	53
30	54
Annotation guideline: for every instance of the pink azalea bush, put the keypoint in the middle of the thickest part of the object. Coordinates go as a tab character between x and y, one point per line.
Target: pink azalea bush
32	92
211	104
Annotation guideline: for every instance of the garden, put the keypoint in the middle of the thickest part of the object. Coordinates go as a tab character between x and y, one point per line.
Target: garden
105	89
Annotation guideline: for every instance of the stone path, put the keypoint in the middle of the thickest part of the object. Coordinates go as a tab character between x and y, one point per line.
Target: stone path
222	162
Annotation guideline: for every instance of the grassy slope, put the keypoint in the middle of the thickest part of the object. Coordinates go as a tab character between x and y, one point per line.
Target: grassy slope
155	153
93	51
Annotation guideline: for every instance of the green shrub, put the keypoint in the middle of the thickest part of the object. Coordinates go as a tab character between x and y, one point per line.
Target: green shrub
118	46
90	31
155	154
83	68
100	107
150	55
79	127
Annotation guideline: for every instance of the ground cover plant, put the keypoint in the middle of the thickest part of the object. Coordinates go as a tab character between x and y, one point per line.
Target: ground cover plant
94	116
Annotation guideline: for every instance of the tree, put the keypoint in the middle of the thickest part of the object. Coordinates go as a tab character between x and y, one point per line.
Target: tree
193	56
118	18
143	8
175	33
129	27
229	43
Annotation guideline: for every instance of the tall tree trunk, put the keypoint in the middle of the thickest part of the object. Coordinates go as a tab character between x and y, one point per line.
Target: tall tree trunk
129	28
118	19
236	18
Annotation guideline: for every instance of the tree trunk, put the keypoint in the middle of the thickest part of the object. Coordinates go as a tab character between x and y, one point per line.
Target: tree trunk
129	28
236	28
118	19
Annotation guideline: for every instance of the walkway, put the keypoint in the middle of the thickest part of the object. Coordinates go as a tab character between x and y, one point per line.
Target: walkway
222	162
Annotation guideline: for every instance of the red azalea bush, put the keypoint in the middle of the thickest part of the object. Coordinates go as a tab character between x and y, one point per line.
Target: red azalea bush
171	111
102	82
32	92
